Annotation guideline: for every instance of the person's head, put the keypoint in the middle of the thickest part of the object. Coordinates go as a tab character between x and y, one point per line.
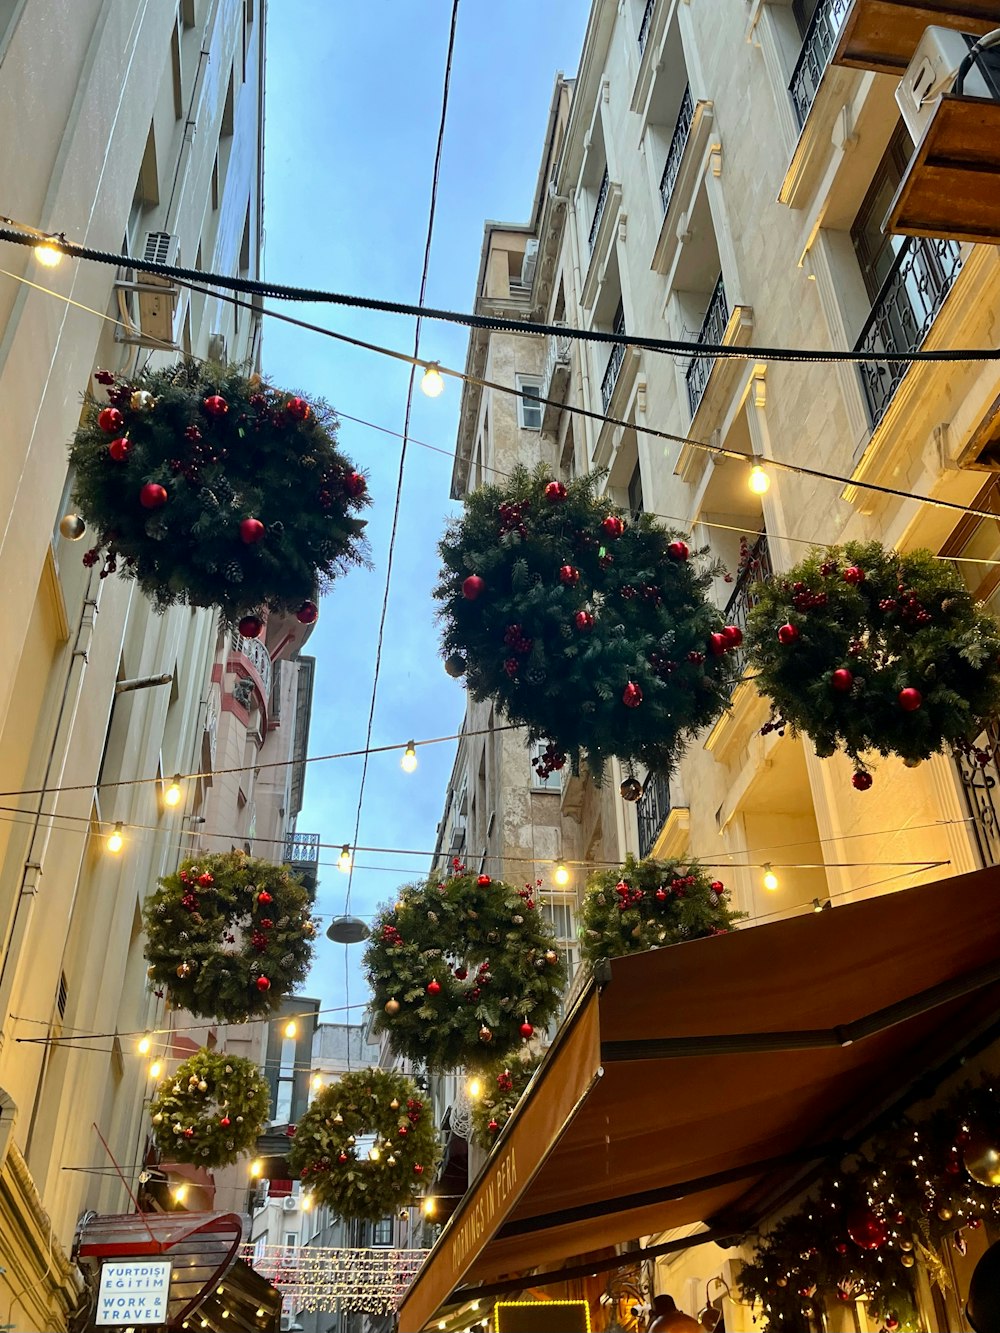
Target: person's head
664	1304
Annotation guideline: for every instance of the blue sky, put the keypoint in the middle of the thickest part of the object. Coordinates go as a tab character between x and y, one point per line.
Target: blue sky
353	103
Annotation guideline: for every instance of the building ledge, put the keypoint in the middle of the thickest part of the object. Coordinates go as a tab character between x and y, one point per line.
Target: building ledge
694	162
602	246
672	839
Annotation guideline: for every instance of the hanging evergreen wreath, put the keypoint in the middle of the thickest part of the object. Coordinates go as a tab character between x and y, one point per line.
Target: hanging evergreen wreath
210	1110
588	628
650	904
366	1144
217	490
462	971
503	1086
229	936
866	649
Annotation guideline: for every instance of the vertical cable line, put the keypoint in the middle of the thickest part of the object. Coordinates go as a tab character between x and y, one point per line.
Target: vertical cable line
402	452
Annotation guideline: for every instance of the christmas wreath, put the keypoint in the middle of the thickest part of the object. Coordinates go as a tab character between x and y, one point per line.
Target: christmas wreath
228	935
867	649
217	490
588	628
649	904
210	1110
462	971
503	1087
366	1143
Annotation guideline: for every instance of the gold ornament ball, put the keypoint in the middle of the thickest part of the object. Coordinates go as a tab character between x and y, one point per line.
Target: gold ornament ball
982	1159
158	1118
782	1281
551	956
392	1007
906	1246
142	401
945	1213
202	1086
178	1129
183	969
151	971
390	1161
394	1104
72	527
907	1260
338	1119
485	1035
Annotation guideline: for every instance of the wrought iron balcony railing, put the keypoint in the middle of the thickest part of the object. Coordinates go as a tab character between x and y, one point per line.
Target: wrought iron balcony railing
615	360
675	153
647	16
914	290
602	199
302	849
757	569
713	328
652	811
817	48
257	655
979	773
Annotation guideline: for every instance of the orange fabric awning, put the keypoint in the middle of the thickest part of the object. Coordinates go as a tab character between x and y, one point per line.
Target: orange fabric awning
694	1083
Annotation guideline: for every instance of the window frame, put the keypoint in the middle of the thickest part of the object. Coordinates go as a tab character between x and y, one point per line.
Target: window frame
525	383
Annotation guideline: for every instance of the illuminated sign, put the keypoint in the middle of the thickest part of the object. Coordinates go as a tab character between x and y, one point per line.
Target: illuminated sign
542	1317
134	1293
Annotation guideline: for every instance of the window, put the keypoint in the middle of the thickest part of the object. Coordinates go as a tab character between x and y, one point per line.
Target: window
635	492
529	409
286	1082
875	248
382	1231
291	1240
553	782
175	69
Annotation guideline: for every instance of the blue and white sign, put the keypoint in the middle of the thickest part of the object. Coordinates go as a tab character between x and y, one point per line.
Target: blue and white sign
134	1293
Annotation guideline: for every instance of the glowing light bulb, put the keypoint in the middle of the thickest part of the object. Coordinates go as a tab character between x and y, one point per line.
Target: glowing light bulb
758	481
344	859
144	1045
291	1027
373	1153
256	1168
317	1082
475	1088
48	253
155	1069
561	874
475	1305
115	840
173	794
180	1193
432	383
770	878
409	760
429	1206
307	1203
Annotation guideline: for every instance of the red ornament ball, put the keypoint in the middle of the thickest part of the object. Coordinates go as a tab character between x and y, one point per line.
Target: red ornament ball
842	680
867	1229
110	419
861	780
342	1158
853	574
250	627
632	695
718	886
473	587
251	531
719	644
787	634
492	1126
263	983
734	635
555	492
297	408
841	1247
418	1169
307	614
526	1030
118	449
678	550
355	484
583	620
433	987
612	526
225	1122
569	574
152	495
483	880
215	405
910	699
264	897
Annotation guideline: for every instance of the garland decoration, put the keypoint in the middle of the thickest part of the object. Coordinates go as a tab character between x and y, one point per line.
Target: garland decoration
375	1179
229	936
213	489
463	971
863	648
210	1110
503	1086
650	904
588	628
917	1188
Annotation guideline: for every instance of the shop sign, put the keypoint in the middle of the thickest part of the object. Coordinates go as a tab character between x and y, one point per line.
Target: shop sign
134	1292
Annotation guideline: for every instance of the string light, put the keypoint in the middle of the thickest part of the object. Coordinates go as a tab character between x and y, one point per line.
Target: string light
256	1168
432	383
115	840
155	1069
173	794
758	481
307	1203
374	1153
317	1082
475	1088
770	878
409	760
344	859
180	1193
48	253
561	874
291	1028
429	1206
144	1044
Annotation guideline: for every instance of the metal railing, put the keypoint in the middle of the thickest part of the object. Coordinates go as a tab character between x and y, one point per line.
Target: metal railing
257	655
557	355
757	569
615	360
675	153
979	773
914	290
302	849
652	811
817	48
647	16
602	199
713	328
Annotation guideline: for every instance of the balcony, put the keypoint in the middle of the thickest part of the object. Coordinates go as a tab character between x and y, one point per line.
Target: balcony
556	380
882	35
675	153
713	330
602	199
255	657
818	46
651	812
981	788
756	569
647	18
302	856
615	360
914	291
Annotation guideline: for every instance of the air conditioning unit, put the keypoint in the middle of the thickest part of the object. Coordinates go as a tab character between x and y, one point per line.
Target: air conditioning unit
932	71
158	295
530	260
